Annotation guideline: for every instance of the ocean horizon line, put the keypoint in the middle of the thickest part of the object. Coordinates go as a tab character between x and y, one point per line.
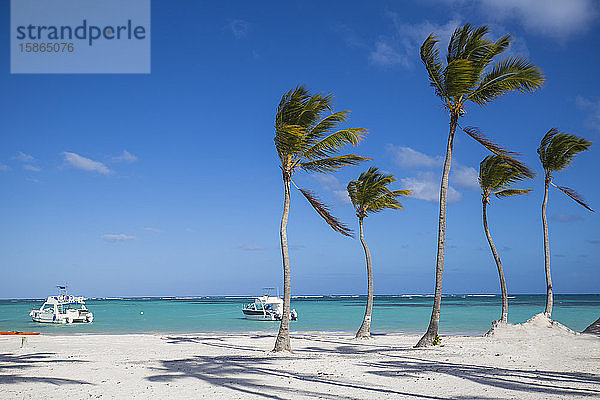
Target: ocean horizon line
300	296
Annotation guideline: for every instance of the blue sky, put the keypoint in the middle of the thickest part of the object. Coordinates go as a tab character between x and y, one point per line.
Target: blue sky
168	184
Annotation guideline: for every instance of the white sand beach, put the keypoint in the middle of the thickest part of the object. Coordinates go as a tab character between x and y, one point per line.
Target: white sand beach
531	361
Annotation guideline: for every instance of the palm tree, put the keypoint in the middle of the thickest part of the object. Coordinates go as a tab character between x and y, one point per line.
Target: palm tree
556	152
469	75
496	175
305	138
370	194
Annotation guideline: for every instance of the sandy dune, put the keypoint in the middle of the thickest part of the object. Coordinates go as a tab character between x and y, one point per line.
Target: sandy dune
513	363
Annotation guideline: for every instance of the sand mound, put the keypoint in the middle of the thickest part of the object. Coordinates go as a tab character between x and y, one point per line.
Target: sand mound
537	326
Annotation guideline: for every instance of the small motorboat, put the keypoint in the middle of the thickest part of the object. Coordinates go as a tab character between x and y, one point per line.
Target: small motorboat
62	309
267	308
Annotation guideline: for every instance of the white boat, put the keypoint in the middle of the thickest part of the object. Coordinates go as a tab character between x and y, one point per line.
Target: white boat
62	309
267	308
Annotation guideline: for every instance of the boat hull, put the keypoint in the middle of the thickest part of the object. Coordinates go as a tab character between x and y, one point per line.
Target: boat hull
259	315
51	318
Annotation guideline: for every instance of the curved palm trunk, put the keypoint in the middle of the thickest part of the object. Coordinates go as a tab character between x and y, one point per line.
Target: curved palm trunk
283	337
365	329
432	330
549	295
504	315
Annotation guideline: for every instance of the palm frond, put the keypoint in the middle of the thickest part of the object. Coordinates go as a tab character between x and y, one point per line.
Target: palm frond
288	140
511	192
324	212
557	149
508	75
488	52
575	196
459	77
497	174
507	155
333	143
325	125
301	127
430	56
332	163
370	192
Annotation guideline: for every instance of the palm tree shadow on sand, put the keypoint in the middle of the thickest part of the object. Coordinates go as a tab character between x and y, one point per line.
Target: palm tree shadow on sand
263	375
18	363
227	371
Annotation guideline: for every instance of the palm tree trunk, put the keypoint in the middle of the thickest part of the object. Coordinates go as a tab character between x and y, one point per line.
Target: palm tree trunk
432	330
504	315
365	329
549	296
283	337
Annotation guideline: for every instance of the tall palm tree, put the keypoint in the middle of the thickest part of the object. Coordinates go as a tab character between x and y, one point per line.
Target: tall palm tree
469	75
556	152
306	139
496	176
370	194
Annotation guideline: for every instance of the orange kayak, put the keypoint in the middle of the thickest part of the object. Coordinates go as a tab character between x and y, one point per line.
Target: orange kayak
18	333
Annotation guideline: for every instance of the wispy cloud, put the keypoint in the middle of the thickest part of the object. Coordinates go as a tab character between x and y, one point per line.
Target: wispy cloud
407	157
554	18
32	168
566	217
23	157
153	230
332	184
112	238
249	247
593	108
426	186
594	241
4	168
239	28
402	46
465	177
350	37
86	164
28	161
125	157
386	54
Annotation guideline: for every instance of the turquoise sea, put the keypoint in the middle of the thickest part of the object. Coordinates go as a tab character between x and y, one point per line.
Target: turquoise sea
461	314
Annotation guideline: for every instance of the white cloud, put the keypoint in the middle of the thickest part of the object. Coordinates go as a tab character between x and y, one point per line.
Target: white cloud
385	55
4	167
426	186
407	157
154	230
460	175
239	28
566	217
30	167
342	196
332	184
328	182
555	18
117	238
593	107
26	158
125	157
402	48
464	176
249	247
85	164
